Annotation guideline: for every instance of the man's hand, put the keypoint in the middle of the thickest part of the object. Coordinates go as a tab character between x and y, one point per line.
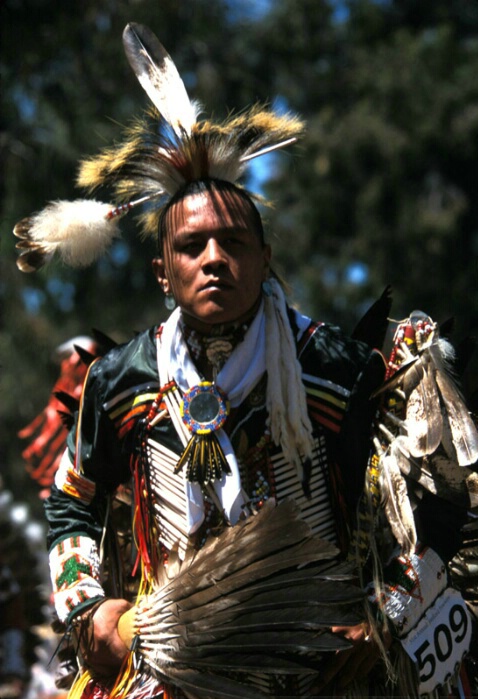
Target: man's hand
354	663
105	651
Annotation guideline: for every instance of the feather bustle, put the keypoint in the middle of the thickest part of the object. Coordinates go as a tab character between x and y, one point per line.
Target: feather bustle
436	446
464	435
398	508
424	421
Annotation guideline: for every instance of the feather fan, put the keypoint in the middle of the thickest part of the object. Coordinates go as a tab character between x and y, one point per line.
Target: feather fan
261	597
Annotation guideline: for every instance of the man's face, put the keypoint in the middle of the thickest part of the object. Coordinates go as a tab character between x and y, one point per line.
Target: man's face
213	260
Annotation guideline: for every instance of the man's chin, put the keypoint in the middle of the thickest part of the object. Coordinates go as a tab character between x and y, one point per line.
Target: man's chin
212	315
218	313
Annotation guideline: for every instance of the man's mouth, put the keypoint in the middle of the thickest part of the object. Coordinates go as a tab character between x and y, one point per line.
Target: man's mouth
216	284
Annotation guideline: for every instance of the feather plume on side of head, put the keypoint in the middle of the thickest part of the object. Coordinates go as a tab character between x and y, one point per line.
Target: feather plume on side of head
80	231
162	151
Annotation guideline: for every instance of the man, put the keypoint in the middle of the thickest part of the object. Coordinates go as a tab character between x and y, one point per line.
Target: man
214	262
235	400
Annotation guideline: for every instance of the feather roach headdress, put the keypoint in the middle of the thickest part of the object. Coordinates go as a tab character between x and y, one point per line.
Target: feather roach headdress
162	151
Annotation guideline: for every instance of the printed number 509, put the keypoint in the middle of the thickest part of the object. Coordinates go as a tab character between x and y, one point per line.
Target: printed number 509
442	642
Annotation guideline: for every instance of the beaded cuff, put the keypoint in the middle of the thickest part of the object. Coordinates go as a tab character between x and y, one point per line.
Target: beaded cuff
75	571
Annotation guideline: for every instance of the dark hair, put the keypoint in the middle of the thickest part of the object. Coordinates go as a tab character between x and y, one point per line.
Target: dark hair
213	187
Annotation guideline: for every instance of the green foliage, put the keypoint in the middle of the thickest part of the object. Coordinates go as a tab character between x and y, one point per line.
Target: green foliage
387	174
382	190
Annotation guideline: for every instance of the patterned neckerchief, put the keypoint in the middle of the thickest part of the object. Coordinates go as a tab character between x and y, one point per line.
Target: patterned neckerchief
214	349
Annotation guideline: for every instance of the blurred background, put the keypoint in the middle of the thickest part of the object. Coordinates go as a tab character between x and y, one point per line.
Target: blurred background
383	189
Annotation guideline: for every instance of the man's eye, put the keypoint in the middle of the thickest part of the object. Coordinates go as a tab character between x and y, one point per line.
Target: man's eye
192	246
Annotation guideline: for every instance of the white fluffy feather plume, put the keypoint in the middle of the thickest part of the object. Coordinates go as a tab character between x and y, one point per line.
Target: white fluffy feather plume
78	231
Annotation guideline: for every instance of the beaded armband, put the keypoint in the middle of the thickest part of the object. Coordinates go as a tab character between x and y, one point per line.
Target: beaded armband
68	480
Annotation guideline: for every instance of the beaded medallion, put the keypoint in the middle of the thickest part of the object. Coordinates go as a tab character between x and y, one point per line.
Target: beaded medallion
204	410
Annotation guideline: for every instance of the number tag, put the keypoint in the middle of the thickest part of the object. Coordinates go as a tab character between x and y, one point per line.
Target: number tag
439	641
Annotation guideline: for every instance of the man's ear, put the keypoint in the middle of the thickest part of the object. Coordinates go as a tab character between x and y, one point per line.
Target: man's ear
160	274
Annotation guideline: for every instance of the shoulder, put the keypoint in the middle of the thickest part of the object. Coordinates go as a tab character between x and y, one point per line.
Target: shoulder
326	351
125	366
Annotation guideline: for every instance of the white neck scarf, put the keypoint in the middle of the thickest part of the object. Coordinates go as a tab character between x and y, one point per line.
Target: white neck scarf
268	345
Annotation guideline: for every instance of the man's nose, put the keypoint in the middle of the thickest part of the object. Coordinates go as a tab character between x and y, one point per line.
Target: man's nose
214	254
